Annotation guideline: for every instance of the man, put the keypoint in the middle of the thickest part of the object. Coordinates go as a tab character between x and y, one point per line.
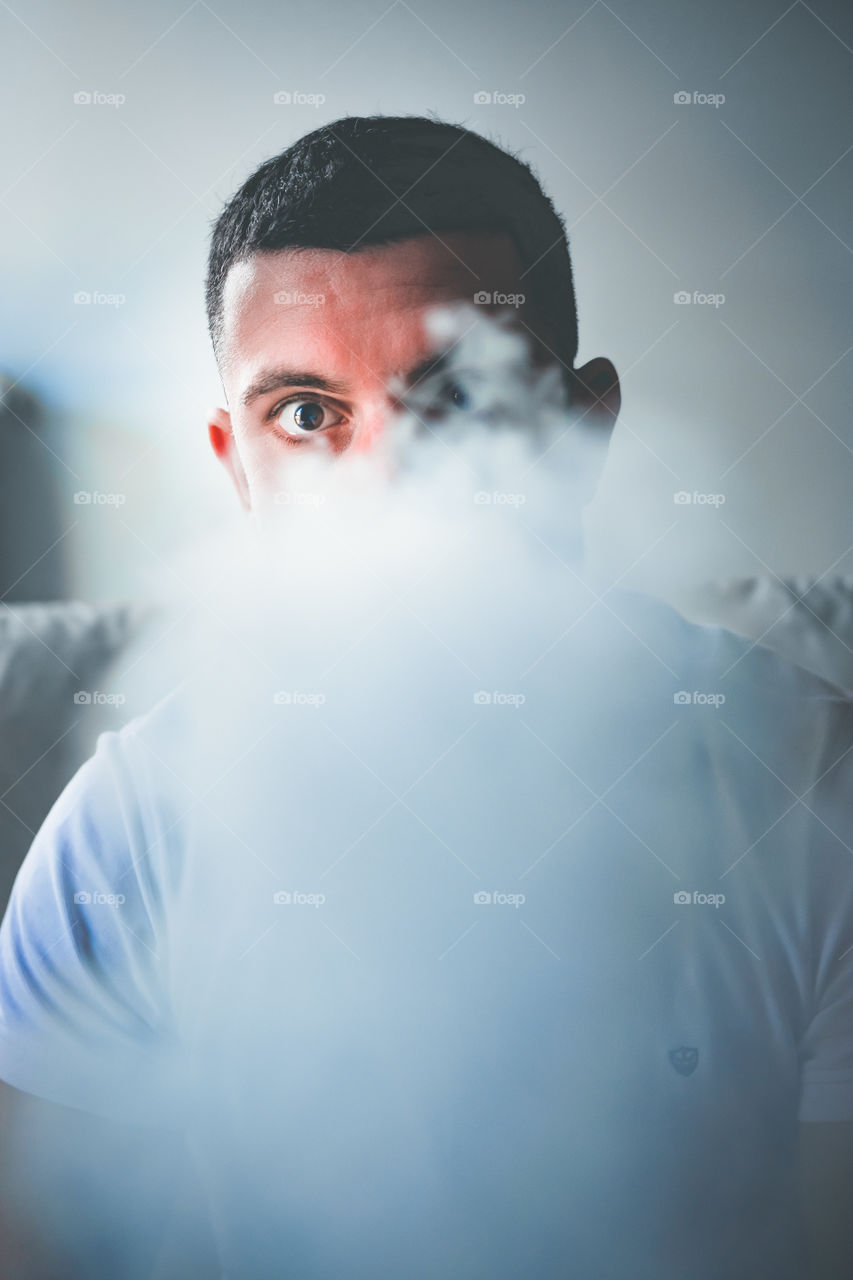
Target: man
322	269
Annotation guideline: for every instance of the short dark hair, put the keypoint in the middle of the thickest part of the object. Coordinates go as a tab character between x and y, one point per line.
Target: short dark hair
372	180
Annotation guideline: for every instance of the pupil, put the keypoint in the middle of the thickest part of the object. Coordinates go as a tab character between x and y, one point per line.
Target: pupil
460	397
308	416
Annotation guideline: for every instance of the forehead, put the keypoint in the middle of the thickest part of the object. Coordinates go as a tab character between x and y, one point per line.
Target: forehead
360	314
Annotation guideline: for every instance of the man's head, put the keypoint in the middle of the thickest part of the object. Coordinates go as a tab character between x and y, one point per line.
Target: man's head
323	263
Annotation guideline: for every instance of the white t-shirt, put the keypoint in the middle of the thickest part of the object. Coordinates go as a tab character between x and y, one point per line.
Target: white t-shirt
464	986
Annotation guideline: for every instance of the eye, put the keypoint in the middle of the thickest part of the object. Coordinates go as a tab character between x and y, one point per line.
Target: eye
301	416
446	396
439	396
458	396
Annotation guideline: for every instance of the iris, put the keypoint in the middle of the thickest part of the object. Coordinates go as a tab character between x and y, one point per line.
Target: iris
308	416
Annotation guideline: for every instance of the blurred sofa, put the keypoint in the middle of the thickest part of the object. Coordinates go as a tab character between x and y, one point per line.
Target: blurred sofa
807	621
57	667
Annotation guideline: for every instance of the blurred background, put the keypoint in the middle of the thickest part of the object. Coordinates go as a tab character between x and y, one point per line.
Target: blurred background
701	156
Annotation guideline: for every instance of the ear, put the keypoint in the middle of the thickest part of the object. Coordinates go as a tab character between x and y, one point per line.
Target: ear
596	393
222	442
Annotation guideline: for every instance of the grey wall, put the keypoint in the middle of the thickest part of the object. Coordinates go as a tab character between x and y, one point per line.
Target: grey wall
750	199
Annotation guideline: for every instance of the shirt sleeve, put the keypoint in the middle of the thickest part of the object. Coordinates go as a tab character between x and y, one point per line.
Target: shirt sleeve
826	1048
83	1014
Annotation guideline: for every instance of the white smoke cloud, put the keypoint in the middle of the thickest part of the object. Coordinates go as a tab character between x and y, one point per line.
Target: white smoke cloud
400	696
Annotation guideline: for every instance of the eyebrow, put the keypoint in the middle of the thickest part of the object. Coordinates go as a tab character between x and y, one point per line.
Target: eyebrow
275	379
270	380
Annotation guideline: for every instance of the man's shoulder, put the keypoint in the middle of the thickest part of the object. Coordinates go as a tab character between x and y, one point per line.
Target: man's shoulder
115	820
748	711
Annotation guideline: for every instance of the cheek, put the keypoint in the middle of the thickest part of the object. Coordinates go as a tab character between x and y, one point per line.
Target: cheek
265	461
270	458
258	451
